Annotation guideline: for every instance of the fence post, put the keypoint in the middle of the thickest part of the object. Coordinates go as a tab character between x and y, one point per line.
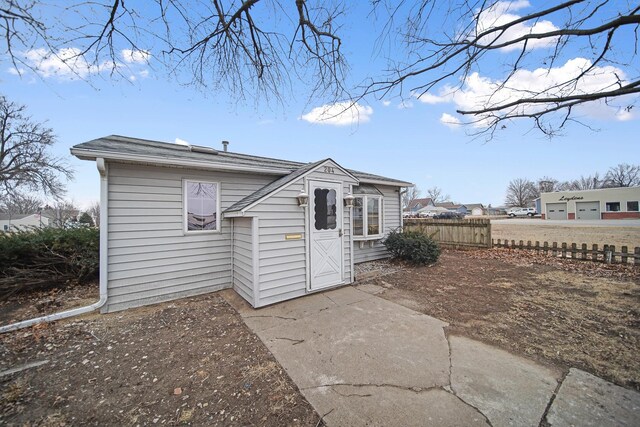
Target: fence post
554	249
564	250
528	244
584	251
594	253
624	254
573	251
513	244
521	244
606	254
545	248
612	248
537	245
636	255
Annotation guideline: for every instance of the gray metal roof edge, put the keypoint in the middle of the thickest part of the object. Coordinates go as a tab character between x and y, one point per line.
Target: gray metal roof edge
281	166
250	201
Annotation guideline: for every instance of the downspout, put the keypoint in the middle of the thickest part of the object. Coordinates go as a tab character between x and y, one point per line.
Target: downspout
102	168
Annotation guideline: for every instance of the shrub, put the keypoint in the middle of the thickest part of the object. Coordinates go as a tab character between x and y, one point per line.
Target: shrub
412	246
45	257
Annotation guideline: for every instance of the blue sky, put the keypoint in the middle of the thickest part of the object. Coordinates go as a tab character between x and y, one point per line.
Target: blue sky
405	140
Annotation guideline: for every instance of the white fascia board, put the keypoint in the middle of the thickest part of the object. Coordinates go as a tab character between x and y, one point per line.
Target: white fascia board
304	175
389	183
153	160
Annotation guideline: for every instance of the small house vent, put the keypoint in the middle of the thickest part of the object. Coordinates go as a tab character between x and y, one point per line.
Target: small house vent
202	149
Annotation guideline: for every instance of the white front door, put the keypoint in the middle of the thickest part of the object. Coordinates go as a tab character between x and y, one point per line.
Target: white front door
325	225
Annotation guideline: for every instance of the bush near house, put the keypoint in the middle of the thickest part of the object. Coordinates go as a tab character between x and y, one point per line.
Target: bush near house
412	246
46	257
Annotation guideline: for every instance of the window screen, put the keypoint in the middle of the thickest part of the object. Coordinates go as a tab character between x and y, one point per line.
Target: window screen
632	206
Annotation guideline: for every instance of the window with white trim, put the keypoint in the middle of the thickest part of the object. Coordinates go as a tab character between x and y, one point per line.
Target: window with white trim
367	216
201	206
632	206
612	206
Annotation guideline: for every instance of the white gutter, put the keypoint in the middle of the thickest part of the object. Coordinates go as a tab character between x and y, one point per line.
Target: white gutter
102	168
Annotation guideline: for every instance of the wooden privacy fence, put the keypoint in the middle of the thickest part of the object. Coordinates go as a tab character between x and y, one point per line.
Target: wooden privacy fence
607	254
459	233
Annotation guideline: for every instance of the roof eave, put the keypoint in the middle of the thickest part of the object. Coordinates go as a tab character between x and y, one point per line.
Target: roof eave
385	182
85	154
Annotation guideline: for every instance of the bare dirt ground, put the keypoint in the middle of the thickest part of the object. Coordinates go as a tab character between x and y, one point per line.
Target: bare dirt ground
618	236
561	312
189	362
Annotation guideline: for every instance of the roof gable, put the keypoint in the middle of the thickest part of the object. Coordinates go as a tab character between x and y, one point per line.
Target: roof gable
273	187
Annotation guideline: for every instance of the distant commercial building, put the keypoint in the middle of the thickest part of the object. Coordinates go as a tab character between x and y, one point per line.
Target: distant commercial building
15	222
605	203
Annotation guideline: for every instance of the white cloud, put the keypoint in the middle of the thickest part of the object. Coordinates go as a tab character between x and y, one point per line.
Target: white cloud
500	14
450	121
406	104
182	142
339	114
429	98
386	103
144	73
135	56
67	63
16	71
478	92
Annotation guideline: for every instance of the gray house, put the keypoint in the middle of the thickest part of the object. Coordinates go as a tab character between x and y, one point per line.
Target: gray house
186	220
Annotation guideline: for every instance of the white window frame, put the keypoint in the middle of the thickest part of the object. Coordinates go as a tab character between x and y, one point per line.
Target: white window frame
365	218
185	224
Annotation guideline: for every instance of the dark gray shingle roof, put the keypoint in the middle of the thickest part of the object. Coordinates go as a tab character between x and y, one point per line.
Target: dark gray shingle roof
133	146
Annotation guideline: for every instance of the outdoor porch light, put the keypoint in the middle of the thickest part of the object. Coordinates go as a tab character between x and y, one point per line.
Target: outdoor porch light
348	200
303	198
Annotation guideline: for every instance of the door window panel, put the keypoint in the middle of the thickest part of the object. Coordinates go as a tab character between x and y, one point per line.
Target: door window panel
325	209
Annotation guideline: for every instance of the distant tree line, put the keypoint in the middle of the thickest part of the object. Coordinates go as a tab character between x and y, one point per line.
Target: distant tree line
523	191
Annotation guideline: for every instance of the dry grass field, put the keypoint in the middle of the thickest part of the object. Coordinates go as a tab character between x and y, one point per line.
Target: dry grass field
516	230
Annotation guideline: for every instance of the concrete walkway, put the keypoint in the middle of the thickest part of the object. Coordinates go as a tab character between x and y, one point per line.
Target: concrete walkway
362	360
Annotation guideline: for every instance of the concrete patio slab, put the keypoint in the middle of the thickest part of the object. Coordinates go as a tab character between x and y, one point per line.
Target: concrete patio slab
367	342
362	360
509	390
586	400
389	406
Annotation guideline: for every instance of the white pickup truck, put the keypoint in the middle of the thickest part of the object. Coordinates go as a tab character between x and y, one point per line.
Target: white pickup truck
513	212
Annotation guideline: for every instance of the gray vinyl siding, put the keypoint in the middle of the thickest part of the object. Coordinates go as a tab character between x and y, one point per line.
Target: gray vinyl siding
150	258
282	266
282	263
243	258
373	249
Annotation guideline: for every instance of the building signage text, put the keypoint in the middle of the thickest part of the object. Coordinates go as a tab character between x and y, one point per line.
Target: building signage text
568	199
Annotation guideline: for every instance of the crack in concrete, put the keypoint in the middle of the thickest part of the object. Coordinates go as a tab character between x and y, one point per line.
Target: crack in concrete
446	337
543	421
451	390
471	406
295	342
383	385
274	317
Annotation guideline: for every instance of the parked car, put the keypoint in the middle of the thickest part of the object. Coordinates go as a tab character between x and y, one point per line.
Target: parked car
449	215
428	214
513	212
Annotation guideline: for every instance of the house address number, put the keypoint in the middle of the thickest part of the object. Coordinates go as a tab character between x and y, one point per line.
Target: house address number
329	169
